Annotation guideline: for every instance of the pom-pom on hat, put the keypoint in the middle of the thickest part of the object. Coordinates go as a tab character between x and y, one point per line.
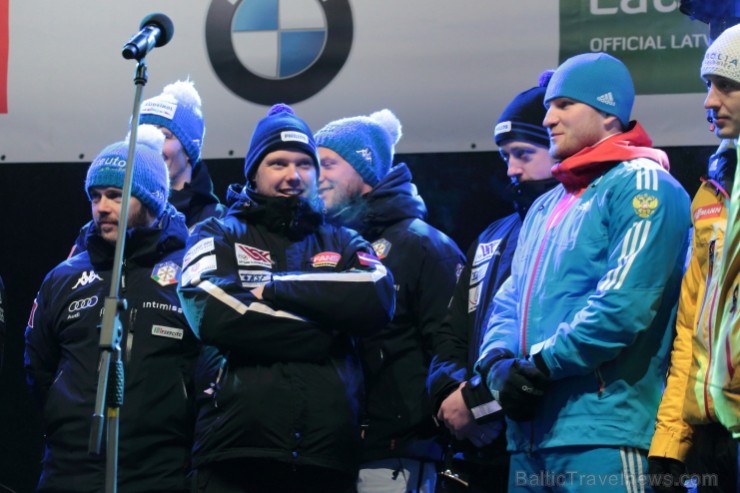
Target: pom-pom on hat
367	143
596	79
280	129
178	109
150	182
522	118
723	55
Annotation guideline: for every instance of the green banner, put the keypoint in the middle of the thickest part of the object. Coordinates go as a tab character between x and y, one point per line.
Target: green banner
662	47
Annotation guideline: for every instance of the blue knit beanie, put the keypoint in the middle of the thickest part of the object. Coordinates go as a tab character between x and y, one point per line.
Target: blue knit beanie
522	118
280	129
367	143
178	109
150	182
596	79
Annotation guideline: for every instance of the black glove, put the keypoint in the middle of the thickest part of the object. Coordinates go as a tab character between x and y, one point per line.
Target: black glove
516	384
665	474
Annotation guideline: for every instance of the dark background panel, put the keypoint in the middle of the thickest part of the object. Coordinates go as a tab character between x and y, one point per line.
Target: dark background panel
44	205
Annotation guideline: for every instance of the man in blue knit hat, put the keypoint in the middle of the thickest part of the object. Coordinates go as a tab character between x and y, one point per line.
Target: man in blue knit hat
177	112
283	297
158	348
579	335
362	189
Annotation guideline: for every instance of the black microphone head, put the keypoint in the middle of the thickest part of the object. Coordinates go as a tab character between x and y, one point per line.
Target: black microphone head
163	23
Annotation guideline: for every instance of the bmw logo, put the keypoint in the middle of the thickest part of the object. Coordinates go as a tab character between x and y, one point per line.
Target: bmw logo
270	51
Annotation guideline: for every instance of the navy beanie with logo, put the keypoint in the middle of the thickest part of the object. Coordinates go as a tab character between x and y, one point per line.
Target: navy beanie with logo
522	119
596	79
280	129
367	143
150	182
178	109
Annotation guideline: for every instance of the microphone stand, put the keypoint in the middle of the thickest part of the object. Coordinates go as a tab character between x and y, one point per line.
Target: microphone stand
110	393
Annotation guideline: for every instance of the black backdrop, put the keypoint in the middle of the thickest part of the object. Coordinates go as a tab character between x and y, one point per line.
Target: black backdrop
43	206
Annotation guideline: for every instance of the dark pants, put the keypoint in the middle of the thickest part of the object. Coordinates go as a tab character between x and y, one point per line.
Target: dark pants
480	478
269	476
712	459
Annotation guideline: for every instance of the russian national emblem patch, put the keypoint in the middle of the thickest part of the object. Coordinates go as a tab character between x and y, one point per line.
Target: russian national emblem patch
645	204
166	273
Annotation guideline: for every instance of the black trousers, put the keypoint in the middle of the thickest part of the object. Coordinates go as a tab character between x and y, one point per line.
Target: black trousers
269	476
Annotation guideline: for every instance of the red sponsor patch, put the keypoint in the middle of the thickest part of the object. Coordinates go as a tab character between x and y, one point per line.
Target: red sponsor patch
325	259
707	212
367	258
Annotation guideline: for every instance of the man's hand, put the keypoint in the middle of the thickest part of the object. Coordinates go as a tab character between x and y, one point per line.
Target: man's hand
518	386
666	474
455	414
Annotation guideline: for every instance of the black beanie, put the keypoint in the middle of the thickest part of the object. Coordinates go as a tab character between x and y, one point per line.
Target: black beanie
522	118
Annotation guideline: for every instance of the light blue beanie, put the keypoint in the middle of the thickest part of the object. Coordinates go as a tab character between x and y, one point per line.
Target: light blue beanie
367	143
596	79
178	109
150	182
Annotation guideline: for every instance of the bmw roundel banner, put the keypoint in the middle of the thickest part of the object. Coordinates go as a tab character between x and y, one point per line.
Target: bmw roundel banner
446	69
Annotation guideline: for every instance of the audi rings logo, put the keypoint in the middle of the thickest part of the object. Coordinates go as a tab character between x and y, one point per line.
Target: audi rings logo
78	305
266	53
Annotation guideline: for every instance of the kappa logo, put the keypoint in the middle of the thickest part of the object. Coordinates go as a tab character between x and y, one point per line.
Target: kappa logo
87	278
249	256
607	98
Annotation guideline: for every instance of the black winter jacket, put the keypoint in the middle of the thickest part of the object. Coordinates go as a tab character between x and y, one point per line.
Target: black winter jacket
196	199
288	386
464	327
425	263
158	353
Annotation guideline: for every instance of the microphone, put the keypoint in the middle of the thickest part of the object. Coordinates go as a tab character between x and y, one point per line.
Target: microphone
710	119
156	30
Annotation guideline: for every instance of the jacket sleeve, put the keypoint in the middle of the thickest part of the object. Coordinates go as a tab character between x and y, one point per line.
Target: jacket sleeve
449	367
672	436
647	232
42	356
358	297
3	309
224	314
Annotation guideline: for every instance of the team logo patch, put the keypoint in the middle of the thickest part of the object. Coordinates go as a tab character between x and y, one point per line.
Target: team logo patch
168	332
382	248
248	256
645	204
253	278
87	278
325	259
485	251
203	246
707	212
166	273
